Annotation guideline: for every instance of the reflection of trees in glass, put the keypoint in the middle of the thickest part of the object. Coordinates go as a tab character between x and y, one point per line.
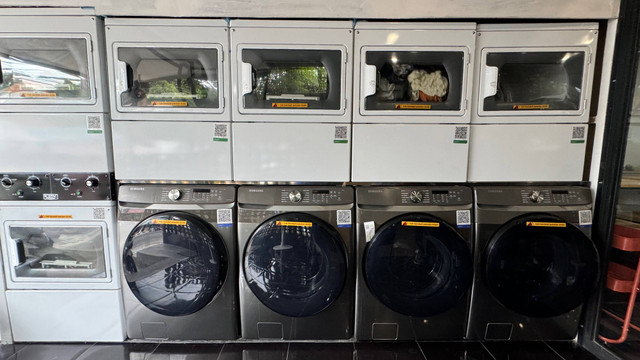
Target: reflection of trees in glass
181	89
310	80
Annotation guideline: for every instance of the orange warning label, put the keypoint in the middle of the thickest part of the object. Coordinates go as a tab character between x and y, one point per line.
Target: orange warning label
413	107
294	223
38	95
531	107
168	103
420	223
289	105
55	217
169	222
546	224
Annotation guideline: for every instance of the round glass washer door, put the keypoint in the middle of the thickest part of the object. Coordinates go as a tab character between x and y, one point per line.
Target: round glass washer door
539	265
295	264
174	263
418	265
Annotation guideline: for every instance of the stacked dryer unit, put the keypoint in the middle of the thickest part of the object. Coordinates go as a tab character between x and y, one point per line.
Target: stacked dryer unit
531	101
169	98
411	111
55	148
291	108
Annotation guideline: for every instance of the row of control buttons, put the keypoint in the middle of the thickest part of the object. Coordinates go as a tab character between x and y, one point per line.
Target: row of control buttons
34	182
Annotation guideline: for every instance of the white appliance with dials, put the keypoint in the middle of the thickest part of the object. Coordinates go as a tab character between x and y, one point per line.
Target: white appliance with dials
60	257
412	95
292	87
170	97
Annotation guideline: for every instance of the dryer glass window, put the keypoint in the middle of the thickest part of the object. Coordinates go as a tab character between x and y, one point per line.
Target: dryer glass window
540	266
292	79
414	80
535	81
418	265
169	77
174	263
60	252
37	69
295	264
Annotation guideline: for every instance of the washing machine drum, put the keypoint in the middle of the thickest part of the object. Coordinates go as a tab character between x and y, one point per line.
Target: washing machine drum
418	265
174	263
295	264
539	265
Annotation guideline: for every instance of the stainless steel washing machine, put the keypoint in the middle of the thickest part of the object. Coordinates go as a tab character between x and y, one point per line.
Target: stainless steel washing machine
295	250
178	249
414	262
535	263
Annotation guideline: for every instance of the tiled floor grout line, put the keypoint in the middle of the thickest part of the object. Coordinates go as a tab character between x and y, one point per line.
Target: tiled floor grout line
487	350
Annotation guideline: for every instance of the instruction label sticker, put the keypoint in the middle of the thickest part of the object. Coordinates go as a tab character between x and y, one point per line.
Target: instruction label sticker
461	135
169	222
94	124
49	196
343	218
420	223
369	230
341	135
546	224
289	105
225	217
169	103
294	223
41	216
463	218
221	132
38	95
412	107
578	135
585	218
531	107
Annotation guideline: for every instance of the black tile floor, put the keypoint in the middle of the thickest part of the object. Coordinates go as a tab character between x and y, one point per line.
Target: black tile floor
298	351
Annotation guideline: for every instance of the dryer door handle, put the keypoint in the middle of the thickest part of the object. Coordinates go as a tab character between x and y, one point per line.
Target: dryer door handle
122	81
246	78
369	81
489	81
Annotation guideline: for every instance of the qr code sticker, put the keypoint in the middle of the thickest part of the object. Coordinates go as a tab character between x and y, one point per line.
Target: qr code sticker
463	218
584	217
341	132
98	213
578	132
344	218
462	132
225	217
94	122
220	131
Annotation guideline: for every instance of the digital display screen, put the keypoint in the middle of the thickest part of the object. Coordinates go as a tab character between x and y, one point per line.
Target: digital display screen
560	192
440	192
320	191
201	190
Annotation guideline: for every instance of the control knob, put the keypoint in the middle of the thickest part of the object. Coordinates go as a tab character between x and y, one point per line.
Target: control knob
92	182
174	194
536	197
65	182
295	196
6	182
416	196
33	182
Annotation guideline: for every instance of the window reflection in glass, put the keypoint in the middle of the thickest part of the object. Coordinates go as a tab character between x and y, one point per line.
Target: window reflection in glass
59	251
44	68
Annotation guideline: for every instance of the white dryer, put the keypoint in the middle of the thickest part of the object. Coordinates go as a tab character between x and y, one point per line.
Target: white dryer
292	87
412	93
170	98
531	101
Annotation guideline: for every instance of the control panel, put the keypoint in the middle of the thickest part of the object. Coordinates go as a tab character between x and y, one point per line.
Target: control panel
194	194
327	196
52	187
452	196
554	196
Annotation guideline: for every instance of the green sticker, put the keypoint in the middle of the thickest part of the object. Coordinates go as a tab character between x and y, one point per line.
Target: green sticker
336	141
459	141
220	139
577	141
94	131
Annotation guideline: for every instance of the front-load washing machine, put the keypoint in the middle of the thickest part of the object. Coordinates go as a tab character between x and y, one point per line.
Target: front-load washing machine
295	249
414	262
178	252
535	263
